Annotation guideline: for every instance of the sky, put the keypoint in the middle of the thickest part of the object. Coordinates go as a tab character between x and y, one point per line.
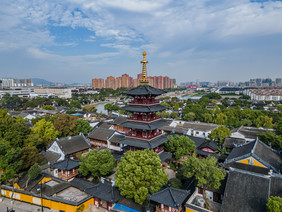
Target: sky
77	40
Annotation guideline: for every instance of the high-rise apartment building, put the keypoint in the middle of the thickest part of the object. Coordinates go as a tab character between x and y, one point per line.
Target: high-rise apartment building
126	81
110	82
98	83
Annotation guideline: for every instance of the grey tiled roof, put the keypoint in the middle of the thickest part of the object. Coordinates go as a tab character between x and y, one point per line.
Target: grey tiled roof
210	144
249	191
142	143
104	191
144	108
73	144
165	155
51	157
66	164
101	134
231	142
116	138
171	197
106	125
144	90
200	126
81	184
144	126
259	151
250	132
119	120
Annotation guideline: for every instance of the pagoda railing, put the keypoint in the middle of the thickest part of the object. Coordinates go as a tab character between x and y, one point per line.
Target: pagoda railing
146	137
144	102
140	119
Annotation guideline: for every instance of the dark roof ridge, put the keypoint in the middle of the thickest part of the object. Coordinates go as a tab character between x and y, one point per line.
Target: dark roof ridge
274	150
170	192
250	173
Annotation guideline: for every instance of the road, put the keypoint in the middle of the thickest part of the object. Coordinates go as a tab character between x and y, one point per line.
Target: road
19	206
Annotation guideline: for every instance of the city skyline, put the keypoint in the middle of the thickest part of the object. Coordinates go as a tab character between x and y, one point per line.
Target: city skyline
76	41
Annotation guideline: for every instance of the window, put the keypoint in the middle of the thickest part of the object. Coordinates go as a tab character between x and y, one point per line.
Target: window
3	192
36	201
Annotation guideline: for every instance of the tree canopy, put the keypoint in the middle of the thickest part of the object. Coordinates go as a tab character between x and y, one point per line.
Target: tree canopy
34	171
180	146
206	172
219	134
140	173
45	130
97	163
274	204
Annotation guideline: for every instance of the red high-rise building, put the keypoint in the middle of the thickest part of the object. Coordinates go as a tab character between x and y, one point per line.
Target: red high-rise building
98	83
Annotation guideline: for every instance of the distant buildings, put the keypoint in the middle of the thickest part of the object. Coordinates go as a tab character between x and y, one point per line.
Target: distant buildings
126	81
265	94
262	82
12	83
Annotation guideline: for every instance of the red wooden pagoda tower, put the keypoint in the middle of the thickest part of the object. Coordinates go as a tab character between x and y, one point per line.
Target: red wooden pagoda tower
143	122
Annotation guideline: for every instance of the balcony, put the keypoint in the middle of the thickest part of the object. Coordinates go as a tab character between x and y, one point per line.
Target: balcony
141	119
144	102
67	176
146	137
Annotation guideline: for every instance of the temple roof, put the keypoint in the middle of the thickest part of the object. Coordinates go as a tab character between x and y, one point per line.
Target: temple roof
142	143
143	108
170	196
66	165
144	126
144	90
104	191
259	151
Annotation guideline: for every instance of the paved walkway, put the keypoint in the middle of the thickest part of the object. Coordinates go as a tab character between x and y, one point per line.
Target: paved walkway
19	206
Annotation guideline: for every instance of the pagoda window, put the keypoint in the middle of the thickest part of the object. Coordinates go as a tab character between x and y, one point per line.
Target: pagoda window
133	132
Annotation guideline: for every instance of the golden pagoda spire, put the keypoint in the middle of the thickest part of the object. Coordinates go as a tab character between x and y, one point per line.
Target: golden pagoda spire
144	80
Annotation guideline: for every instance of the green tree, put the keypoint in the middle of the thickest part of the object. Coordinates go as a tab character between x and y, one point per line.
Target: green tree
175	183
189	116
48	107
221	118
271	139
180	146
90	109
206	172
75	104
97	163
173	115
9	162
278	127
83	126
45	130
219	134
274	204
263	121
66	125
208	117
213	96
30	156
140	173
246	122
34	172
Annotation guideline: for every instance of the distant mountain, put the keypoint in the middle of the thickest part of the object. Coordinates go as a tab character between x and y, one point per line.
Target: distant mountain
38	81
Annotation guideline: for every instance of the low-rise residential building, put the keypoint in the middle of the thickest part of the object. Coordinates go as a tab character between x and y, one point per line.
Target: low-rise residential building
265	94
70	146
248	133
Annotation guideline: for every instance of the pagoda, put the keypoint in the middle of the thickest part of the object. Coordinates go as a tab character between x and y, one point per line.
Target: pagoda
143	122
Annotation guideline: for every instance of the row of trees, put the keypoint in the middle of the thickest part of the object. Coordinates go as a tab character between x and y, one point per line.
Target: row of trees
20	145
